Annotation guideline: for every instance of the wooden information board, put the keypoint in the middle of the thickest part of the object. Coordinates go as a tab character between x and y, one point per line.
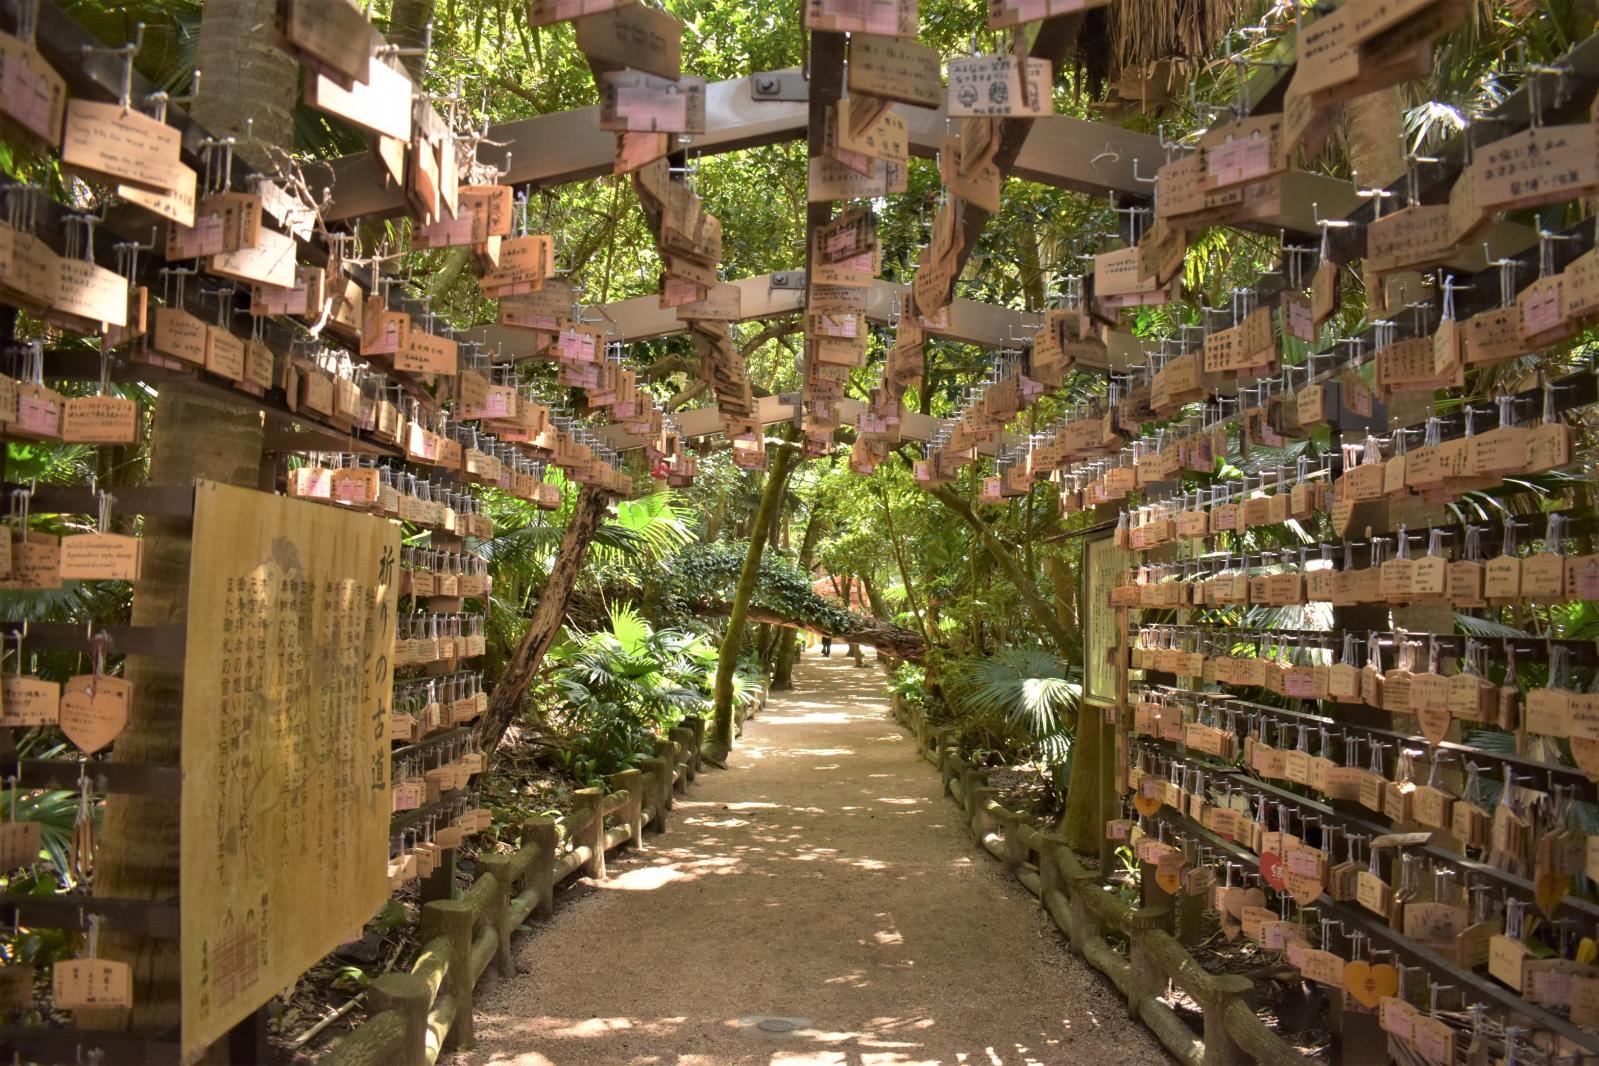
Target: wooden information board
1103	566
288	675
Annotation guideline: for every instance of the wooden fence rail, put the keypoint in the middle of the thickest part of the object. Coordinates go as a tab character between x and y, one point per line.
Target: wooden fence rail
415	1016
1096	920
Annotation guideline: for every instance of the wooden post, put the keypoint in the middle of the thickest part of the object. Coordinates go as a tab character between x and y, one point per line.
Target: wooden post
1085	923
407	995
683	737
697	725
541	872
656	769
593	799
1016	848
1220	1048
1146	978
499	868
453	919
633	782
666	750
440	884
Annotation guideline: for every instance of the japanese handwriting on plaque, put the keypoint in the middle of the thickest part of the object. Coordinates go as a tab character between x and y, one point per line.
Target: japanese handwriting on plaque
895	70
290	652
635	102
888	18
995	85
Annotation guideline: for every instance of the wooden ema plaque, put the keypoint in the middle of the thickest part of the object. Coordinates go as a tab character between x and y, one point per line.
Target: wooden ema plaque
288	677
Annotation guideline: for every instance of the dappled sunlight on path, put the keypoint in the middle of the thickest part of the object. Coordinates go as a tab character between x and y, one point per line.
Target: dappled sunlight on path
817	903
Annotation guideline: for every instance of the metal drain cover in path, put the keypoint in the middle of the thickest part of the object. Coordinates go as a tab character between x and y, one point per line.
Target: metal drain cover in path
773	1024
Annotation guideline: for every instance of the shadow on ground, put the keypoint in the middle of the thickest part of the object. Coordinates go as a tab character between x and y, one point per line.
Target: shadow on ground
816	903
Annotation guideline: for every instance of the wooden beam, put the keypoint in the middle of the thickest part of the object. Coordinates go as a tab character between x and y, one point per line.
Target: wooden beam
761	299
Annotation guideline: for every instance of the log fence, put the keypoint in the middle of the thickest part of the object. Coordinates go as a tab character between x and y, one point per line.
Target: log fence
1098	922
413	1017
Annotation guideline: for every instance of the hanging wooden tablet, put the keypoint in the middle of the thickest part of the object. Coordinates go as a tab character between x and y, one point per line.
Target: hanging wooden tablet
33	96
94	710
91	984
124	144
380	103
28	700
1003	13
997	85
99	420
886	18
633	35
895	69
1235	153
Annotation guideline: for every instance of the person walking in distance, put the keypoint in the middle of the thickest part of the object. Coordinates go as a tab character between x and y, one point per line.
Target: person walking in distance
827	646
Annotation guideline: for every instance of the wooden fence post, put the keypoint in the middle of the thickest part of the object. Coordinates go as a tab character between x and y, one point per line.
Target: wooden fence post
683	737
697	725
541	872
655	768
1146	978
407	995
1220	1047
1085	923
453	919
440	884
632	781
593	799
666	750
499	868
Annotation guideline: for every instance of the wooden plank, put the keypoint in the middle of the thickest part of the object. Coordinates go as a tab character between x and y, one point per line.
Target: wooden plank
288	676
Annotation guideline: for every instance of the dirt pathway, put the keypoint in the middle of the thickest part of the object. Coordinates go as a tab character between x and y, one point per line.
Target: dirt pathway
823	886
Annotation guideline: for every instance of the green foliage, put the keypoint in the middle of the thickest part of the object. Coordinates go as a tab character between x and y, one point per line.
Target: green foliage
617	689
706	574
1020	704
909	682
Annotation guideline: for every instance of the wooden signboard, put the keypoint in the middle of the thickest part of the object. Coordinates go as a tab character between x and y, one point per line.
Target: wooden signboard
634	102
633	35
895	69
888	18
288	675
1104	564
994	85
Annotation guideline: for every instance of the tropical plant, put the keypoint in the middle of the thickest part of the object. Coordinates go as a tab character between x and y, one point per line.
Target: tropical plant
617	689
1021	704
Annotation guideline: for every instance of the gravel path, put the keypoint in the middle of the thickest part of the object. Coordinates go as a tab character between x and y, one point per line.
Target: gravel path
822	886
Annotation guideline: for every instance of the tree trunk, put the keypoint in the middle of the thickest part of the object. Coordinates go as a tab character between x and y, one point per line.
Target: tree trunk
1041	611
249	81
1060	574
874	598
408	24
1082	822
506	700
764	642
888	638
904	573
195	434
720	742
788	647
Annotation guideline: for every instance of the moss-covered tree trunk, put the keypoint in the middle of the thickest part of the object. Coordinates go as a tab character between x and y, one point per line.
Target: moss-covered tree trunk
506	700
788	643
720	740
1082	823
